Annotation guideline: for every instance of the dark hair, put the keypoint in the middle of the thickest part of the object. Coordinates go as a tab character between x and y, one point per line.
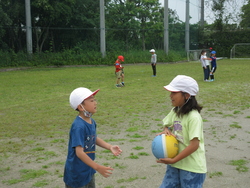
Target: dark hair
79	104
190	105
202	51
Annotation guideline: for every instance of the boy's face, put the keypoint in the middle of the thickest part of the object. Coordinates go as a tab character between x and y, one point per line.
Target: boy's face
90	104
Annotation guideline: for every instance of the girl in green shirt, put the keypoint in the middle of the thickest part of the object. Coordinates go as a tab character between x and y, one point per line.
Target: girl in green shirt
188	168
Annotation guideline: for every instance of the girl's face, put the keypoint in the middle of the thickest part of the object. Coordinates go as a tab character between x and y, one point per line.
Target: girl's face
177	99
90	104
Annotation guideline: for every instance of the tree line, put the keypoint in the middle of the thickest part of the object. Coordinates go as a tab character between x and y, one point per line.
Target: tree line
131	25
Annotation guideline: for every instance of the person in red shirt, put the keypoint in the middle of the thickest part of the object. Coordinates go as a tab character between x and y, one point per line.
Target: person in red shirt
119	71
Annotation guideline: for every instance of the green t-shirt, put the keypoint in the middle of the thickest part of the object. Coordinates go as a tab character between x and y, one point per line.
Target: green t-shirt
186	128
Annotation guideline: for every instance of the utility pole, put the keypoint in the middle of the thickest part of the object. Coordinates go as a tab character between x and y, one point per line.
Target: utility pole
28	27
102	29
187	27
202	14
166	33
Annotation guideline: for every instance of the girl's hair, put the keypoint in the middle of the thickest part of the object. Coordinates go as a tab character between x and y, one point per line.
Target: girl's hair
202	51
190	105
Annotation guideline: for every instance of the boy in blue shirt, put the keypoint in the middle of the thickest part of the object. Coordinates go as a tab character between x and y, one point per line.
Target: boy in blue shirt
80	166
213	65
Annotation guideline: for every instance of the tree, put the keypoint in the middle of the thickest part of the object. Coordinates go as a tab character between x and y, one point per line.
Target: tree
218	8
4	21
245	15
47	14
122	24
12	24
149	13
137	23
224	13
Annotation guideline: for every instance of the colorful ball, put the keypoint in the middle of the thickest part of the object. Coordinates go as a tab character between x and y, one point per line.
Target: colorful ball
164	146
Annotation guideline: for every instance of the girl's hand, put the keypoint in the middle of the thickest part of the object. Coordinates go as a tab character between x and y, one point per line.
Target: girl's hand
166	131
115	150
166	161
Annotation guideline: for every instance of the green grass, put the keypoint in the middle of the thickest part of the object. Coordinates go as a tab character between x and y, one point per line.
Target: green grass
35	115
34	102
240	165
235	125
27	174
138	147
215	174
41	183
133	156
127	180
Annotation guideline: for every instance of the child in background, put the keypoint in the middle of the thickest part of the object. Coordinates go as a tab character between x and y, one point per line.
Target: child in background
80	166
205	65
188	168
210	49
119	71
153	61
213	65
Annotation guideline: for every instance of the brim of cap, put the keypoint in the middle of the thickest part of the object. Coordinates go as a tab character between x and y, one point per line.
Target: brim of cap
171	88
95	92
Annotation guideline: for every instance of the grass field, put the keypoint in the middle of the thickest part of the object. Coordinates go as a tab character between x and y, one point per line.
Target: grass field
35	115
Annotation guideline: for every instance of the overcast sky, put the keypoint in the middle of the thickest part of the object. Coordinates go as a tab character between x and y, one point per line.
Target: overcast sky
180	7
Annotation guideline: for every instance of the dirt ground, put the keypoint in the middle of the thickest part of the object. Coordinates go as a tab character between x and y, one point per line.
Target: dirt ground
223	144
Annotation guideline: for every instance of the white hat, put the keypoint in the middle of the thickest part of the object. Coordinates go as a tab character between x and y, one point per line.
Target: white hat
78	95
183	83
152	50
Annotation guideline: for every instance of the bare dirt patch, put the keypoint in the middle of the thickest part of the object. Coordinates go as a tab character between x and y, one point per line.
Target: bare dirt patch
135	168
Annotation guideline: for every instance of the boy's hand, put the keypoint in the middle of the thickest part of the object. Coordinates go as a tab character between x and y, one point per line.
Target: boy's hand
104	171
115	150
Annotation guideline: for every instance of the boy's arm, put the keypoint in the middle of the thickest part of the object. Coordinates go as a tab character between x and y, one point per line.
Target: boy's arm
103	170
102	143
113	148
118	66
154	59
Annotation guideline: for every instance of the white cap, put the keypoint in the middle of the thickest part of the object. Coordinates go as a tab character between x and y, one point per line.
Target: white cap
184	84
152	50
78	95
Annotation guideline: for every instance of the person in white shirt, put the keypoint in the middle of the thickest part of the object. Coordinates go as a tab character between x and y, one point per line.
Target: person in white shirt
205	65
153	61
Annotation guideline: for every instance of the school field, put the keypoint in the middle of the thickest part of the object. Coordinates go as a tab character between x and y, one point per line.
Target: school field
35	118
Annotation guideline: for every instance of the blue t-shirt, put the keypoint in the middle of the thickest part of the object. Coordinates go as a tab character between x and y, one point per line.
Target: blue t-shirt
76	172
213	62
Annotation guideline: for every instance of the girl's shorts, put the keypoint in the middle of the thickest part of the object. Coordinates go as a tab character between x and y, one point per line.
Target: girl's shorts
177	178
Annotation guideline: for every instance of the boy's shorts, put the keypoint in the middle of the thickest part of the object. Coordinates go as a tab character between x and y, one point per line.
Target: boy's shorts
178	178
118	74
91	184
